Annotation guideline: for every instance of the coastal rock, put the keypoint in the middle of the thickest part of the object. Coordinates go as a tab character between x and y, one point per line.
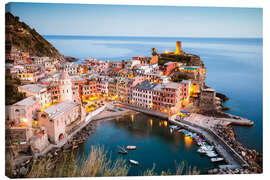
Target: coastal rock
67	146
23	171
215	171
223	97
49	155
14	172
224	108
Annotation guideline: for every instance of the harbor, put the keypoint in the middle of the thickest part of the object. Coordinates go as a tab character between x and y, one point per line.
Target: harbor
152	110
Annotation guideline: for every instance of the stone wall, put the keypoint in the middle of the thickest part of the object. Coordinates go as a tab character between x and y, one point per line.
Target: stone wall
17	134
207	100
97	111
39	143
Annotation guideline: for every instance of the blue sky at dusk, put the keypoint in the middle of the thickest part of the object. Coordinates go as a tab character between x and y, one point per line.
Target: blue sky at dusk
124	20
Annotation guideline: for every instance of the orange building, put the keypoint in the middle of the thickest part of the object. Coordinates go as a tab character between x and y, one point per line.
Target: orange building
153	60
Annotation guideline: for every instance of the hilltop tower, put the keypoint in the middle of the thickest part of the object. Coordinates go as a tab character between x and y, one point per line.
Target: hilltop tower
65	87
178	48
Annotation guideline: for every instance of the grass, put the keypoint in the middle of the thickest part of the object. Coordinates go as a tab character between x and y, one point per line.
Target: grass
98	163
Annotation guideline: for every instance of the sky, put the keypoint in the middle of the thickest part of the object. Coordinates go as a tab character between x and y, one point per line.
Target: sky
127	20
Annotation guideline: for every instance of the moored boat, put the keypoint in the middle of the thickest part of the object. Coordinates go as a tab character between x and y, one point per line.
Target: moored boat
122	151
211	154
194	135
201	151
202	143
217	159
174	127
206	147
131	147
181	130
134	162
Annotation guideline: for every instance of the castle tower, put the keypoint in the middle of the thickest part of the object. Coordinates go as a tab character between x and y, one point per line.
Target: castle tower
65	87
178	47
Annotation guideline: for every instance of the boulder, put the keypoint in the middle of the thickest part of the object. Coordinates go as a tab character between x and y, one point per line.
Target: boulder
67	146
23	171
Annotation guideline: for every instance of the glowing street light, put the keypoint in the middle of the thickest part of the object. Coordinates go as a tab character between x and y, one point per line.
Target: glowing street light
24	120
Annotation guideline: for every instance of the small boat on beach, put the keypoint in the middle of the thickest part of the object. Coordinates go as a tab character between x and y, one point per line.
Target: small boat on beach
131	147
134	162
217	159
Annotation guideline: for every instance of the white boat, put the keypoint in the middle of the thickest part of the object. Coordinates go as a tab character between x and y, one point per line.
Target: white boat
131	147
174	127
211	154
194	135
216	159
210	148
202	143
134	162
201	151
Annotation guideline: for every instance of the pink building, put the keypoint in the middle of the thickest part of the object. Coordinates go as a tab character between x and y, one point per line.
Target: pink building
59	119
142	94
185	85
24	112
62	118
167	97
169	67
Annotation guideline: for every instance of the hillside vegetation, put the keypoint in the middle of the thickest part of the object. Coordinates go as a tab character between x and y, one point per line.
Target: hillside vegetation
26	39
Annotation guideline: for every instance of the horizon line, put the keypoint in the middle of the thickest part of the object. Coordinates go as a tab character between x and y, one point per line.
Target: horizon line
156	36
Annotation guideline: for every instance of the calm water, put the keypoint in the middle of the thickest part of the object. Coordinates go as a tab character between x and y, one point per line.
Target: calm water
155	144
234	67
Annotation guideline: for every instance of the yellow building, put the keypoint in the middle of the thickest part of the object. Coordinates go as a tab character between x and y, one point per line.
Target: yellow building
26	76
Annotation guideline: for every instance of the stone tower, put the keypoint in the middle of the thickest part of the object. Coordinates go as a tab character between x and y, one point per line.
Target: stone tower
178	48
65	87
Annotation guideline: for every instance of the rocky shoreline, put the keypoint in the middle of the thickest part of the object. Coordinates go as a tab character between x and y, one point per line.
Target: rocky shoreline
253	158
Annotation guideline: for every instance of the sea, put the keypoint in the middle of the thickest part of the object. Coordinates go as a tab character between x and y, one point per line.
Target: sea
234	68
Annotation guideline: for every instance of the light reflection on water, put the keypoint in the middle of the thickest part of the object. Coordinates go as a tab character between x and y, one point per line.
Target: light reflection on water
155	143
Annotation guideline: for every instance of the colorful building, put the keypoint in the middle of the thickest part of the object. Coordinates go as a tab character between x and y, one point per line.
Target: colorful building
39	91
142	94
167	97
169	67
24	112
88	88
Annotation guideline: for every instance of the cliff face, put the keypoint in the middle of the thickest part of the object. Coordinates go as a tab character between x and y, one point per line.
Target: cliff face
22	37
